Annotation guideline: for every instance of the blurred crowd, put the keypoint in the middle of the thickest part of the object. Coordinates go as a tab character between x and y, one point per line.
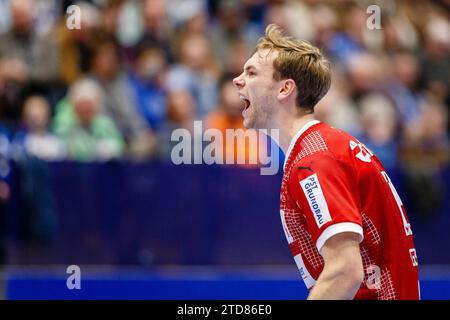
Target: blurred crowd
136	69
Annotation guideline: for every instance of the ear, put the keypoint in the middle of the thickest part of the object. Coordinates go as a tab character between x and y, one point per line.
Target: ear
287	89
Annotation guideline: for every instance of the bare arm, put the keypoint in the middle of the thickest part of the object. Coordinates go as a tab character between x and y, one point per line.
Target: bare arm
343	271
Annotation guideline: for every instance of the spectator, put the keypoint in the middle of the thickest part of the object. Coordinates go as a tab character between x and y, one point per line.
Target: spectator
27	55
428	139
379	123
399	34
111	10
196	72
130	24
148	85
326	24
88	135
337	108
425	152
435	59
402	87
234	62
26	58
189	16
181	114
366	73
36	140
47	13
121	20
158	30
294	17
181	110
31	149
75	44
231	27
107	71
344	44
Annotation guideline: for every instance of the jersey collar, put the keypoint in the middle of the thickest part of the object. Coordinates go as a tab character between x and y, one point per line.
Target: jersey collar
305	127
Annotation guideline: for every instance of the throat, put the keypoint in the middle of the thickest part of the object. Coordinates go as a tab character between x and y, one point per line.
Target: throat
290	131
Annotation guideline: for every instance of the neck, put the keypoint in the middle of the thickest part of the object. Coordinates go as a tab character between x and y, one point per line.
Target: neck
289	127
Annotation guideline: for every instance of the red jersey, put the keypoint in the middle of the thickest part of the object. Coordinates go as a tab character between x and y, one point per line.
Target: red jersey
332	183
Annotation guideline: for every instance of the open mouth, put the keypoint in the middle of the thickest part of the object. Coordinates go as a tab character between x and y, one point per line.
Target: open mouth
246	102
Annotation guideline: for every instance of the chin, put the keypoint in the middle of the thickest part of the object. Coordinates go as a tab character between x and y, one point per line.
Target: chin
248	124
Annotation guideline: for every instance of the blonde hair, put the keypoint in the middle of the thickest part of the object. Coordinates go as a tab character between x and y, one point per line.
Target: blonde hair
300	61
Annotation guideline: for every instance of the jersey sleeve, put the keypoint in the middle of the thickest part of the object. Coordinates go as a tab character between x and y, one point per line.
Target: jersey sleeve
325	190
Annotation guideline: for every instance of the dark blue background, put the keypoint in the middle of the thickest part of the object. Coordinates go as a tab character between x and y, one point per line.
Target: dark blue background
156	213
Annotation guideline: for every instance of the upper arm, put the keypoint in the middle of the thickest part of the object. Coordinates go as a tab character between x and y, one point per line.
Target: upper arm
342	256
342	246
343	272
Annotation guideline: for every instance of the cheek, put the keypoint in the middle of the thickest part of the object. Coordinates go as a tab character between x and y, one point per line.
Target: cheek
261	93
258	91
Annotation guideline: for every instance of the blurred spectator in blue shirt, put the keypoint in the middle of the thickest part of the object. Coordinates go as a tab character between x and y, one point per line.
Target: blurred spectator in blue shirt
402	87
147	81
344	44
196	73
380	128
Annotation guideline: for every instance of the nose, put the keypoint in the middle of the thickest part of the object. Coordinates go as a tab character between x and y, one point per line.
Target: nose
238	81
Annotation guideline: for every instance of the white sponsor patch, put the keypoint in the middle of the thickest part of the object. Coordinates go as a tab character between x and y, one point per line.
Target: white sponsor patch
304	273
316	199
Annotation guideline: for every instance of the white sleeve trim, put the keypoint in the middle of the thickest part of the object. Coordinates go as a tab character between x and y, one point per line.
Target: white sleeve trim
339	228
